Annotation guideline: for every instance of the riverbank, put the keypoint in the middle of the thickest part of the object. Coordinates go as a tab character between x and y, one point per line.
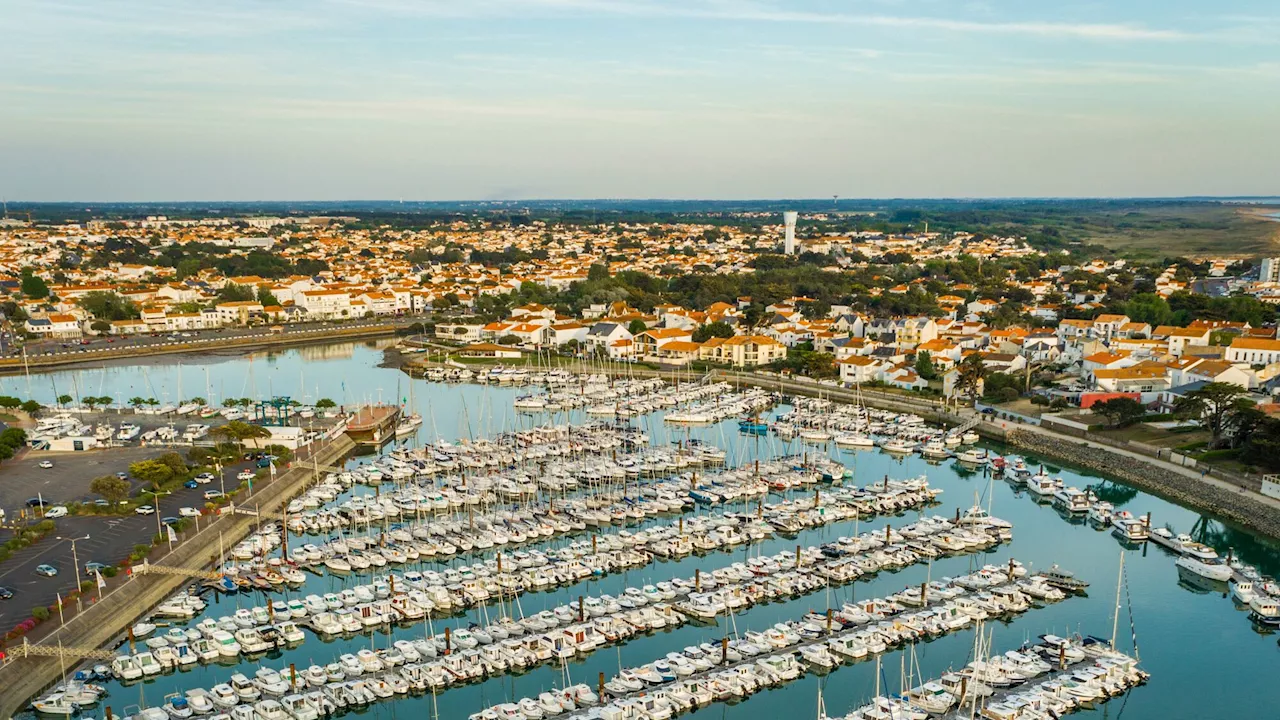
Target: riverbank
101	624
266	340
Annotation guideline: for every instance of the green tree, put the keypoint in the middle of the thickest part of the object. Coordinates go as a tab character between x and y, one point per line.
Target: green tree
64	400
820	365
637	326
232	292
31	407
1213	405
266	297
137	401
325	404
34	286
238	431
1149	308
1120	411
174	461
152	472
108	306
111	488
509	340
100	326
187	267
972	374
719	328
924	365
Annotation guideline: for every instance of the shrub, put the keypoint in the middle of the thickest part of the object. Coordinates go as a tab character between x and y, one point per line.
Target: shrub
40	613
1006	394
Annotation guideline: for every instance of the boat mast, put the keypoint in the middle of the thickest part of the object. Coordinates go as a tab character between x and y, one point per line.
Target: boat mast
1115	619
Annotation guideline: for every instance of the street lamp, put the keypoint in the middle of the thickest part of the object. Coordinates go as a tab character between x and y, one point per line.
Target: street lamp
75	562
156	507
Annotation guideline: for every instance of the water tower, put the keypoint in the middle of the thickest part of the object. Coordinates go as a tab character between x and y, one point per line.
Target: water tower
789	220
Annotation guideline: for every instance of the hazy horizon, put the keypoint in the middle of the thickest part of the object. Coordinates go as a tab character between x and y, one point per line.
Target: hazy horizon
439	100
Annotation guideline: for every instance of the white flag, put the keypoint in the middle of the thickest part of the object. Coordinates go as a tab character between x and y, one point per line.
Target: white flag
273	470
173	536
102	582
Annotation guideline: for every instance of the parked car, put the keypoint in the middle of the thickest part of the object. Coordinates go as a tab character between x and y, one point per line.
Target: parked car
91	567
145	510
47	570
203	478
189	512
36	502
5	593
190	484
122	475
246	475
57	511
46	464
211	494
169	520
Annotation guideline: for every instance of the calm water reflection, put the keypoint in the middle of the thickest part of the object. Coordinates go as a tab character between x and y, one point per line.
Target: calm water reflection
1206	659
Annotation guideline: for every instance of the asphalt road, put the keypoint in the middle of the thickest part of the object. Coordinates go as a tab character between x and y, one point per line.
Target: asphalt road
188	338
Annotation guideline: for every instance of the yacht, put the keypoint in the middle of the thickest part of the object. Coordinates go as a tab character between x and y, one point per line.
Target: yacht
1072	499
1129	528
1042	486
854	440
935	449
1100	513
1211	568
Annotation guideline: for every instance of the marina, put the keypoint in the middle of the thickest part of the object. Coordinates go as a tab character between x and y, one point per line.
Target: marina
620	510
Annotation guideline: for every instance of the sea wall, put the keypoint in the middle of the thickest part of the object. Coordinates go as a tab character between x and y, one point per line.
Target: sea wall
1234	506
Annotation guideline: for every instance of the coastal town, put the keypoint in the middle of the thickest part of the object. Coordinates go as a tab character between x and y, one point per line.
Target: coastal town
826	372
914	306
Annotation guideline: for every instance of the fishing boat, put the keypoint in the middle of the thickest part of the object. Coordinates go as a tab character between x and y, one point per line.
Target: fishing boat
1063	579
753	426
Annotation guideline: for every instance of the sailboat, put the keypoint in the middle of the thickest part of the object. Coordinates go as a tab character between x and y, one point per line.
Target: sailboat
409	422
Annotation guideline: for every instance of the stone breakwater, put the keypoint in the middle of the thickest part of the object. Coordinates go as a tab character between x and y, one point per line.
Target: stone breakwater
1231	505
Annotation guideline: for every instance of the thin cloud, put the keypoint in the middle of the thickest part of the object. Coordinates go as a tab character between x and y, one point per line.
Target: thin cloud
752	12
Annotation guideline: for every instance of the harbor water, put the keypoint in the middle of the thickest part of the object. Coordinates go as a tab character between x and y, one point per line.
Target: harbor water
1205	657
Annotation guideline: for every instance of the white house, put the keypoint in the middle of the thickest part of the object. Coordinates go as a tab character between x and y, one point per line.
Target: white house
325	303
1253	351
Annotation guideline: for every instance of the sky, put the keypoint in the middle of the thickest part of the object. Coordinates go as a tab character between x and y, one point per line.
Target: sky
162	100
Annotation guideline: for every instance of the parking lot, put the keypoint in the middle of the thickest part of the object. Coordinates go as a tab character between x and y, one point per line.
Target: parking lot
68	480
111	538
